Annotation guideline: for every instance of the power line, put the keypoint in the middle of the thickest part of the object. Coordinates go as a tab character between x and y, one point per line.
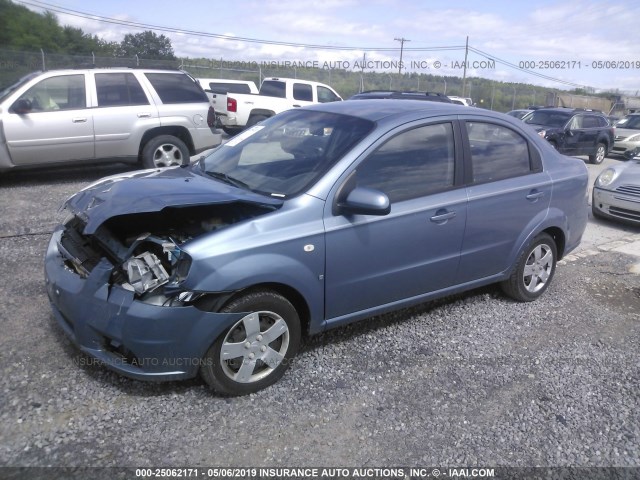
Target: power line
524	70
146	26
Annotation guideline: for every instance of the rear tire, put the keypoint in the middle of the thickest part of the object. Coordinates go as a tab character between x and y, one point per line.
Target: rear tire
254	352
598	157
231	131
253	119
164	151
534	270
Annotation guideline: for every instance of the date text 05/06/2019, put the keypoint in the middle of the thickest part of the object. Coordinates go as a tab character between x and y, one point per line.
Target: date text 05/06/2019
579	65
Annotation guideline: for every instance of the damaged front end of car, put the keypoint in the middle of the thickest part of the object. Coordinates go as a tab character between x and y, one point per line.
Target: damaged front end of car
145	249
116	271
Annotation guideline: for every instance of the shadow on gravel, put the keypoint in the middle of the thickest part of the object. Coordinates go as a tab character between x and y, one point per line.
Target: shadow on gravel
349	333
365	326
61	175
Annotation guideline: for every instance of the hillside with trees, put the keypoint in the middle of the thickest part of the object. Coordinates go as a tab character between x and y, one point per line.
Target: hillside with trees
33	41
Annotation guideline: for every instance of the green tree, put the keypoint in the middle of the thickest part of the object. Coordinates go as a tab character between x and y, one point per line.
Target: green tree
147	45
22	29
76	42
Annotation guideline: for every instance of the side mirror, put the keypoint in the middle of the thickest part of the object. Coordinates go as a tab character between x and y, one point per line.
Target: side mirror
365	201
22	106
568	132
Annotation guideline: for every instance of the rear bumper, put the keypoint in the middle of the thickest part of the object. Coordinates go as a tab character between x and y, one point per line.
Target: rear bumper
136	339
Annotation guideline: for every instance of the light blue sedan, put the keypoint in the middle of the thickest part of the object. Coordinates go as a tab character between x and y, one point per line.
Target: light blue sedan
312	219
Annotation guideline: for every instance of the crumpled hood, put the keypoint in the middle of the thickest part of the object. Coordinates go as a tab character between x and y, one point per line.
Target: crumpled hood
152	191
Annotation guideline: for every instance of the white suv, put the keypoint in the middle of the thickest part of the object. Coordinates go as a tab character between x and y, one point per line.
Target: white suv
157	117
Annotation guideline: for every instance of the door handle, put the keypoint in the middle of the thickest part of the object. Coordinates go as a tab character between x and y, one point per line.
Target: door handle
442	216
535	195
297	106
79	120
144	115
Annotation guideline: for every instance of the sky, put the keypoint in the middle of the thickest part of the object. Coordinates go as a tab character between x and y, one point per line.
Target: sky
563	44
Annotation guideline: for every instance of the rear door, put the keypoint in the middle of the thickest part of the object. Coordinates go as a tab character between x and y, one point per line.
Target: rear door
123	113
589	134
58	128
508	192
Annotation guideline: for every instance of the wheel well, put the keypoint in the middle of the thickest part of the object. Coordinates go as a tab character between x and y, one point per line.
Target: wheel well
261	111
180	132
291	294
558	237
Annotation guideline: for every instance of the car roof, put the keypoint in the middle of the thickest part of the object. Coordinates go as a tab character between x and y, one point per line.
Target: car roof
569	110
375	109
83	69
400	94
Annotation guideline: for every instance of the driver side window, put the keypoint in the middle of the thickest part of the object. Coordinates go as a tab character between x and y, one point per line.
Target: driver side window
66	92
413	164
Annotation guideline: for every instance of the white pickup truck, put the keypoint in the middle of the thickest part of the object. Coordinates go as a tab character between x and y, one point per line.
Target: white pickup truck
276	95
217	90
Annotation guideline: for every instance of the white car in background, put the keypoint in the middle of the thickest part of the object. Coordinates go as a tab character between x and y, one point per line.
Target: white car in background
462	100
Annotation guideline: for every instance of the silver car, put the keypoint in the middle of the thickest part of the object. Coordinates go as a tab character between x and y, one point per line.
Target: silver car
156	117
616	192
627	136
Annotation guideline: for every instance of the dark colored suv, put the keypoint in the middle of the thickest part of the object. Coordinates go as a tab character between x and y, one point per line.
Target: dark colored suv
574	131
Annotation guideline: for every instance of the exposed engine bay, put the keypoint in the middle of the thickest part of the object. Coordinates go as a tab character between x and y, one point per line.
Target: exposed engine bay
146	248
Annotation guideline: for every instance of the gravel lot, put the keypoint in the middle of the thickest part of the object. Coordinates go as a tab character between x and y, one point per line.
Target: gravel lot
474	380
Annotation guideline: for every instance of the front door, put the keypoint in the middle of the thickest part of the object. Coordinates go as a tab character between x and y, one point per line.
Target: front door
378	260
58	127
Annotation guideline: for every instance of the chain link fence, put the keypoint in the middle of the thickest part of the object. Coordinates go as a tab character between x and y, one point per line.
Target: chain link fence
485	93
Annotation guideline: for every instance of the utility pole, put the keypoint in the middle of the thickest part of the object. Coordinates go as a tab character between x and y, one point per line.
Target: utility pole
401	40
464	72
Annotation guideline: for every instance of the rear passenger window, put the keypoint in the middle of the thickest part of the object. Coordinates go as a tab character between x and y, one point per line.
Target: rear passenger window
302	92
118	89
497	152
176	88
224	88
413	164
590	121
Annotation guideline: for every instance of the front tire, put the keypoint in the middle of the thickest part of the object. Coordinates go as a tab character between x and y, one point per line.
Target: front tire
254	352
164	151
534	271
598	157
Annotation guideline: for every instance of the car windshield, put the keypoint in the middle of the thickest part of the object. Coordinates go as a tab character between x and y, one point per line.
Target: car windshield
547	118
632	121
6	91
287	153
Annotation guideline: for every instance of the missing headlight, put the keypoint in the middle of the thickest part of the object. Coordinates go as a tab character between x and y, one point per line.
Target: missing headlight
145	272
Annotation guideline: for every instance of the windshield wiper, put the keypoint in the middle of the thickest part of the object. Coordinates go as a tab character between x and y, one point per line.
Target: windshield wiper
223	177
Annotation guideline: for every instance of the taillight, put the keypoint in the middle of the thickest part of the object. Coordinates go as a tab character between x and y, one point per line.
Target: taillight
232	105
211	117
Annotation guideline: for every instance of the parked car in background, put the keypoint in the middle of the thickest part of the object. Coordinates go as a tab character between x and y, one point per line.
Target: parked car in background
217	90
520	113
462	101
627	136
574	131
315	218
400	95
616	192
158	118
275	95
